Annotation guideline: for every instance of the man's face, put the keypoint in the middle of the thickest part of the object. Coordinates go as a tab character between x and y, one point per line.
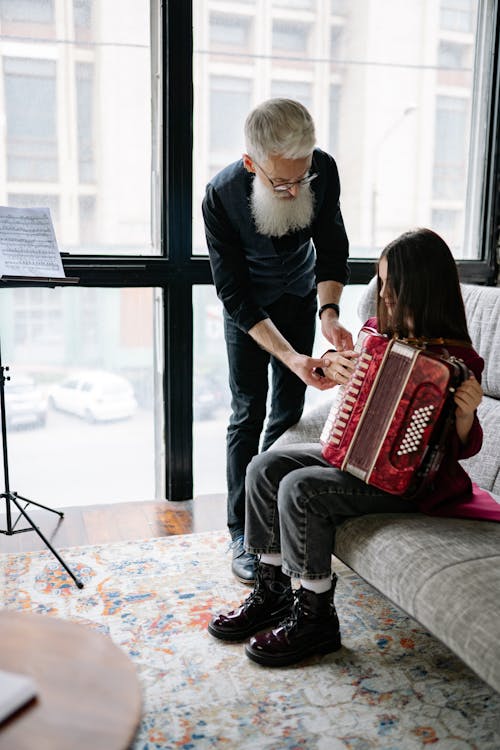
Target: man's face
277	212
276	171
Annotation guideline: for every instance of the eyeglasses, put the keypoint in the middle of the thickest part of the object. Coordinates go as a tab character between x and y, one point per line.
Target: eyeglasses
283	187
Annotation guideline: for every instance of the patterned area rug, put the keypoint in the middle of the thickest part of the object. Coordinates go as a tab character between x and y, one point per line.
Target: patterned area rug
391	686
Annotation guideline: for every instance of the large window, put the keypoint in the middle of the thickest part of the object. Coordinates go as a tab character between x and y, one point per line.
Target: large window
399	96
391	93
118	112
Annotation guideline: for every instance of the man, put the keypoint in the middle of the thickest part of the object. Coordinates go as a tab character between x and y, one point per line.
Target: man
276	240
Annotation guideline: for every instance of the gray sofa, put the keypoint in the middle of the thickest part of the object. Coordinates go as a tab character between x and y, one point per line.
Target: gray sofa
443	572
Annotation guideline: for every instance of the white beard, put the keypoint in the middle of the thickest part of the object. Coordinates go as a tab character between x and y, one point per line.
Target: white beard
275	216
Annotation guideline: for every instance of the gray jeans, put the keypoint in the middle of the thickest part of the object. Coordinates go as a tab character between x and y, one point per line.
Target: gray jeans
295	500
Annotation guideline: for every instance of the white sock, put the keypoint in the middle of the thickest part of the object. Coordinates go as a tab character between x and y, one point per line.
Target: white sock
318	585
271	558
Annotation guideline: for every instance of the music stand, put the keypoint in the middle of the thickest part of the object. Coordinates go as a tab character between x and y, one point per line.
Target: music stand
8	495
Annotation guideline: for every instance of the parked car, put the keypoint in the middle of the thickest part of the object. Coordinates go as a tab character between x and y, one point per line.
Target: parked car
96	396
25	404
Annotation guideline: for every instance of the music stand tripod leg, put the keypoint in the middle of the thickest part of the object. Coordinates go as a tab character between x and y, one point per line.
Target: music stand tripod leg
38	505
14	499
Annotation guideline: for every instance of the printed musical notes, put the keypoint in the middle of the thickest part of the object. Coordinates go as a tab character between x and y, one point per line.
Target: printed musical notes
28	245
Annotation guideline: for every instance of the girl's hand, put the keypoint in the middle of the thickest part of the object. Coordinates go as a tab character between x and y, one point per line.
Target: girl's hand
467	398
341	365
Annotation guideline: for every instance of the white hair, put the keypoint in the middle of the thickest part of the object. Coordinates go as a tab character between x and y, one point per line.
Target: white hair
279	127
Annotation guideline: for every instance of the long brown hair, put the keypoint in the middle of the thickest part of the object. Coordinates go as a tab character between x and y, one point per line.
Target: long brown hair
423	279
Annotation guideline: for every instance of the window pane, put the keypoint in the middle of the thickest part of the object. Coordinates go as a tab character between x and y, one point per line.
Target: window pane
79	402
211	398
78	113
391	94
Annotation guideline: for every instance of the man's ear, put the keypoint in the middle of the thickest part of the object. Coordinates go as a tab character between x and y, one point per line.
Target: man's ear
248	163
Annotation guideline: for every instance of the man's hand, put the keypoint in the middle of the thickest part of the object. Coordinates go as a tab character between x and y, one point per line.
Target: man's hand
334	331
304	367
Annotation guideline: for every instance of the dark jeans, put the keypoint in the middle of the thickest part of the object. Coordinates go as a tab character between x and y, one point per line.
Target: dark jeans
296	501
248	381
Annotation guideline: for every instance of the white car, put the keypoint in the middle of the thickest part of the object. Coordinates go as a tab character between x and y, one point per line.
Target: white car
25	405
95	396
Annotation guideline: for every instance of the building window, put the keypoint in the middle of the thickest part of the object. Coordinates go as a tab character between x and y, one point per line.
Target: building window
85	120
230	101
458	15
290	38
301	91
230	31
339	7
450	147
38	319
82	19
30	103
27	11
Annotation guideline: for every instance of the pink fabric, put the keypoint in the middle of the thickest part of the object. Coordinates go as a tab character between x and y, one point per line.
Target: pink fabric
480	505
453	494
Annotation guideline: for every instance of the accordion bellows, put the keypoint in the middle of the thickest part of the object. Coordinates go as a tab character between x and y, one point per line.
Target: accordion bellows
389	424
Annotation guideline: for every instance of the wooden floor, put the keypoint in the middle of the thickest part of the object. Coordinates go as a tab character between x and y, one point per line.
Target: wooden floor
98	524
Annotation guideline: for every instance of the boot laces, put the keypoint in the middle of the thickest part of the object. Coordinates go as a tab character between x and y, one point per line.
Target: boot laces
257	595
291	622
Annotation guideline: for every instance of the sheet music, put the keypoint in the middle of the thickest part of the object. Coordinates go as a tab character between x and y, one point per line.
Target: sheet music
28	245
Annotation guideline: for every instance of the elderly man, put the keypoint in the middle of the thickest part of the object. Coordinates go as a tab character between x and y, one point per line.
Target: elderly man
276	242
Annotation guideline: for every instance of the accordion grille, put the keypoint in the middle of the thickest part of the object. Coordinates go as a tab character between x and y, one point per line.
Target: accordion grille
378	413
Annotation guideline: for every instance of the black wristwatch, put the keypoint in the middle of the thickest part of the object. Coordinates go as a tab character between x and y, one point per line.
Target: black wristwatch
331	306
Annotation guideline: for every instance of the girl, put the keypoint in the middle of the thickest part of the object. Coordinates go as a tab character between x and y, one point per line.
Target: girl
296	499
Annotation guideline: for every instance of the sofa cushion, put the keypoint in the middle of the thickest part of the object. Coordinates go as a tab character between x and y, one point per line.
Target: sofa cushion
468	614
417	561
482	304
484	467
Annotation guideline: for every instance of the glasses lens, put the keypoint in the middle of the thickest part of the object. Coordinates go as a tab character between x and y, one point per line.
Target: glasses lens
288	185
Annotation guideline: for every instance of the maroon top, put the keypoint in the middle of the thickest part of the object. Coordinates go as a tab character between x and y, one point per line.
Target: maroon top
453	494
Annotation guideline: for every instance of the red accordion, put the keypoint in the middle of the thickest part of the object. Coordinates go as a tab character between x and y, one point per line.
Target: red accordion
389	423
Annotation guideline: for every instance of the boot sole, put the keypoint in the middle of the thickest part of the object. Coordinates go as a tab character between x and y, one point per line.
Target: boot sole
246	581
285	660
242	635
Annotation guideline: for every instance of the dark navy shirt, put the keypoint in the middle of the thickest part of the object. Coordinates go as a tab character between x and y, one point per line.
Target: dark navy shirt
252	270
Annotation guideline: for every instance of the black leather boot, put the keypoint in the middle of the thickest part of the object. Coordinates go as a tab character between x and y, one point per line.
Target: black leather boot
311	628
269	603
